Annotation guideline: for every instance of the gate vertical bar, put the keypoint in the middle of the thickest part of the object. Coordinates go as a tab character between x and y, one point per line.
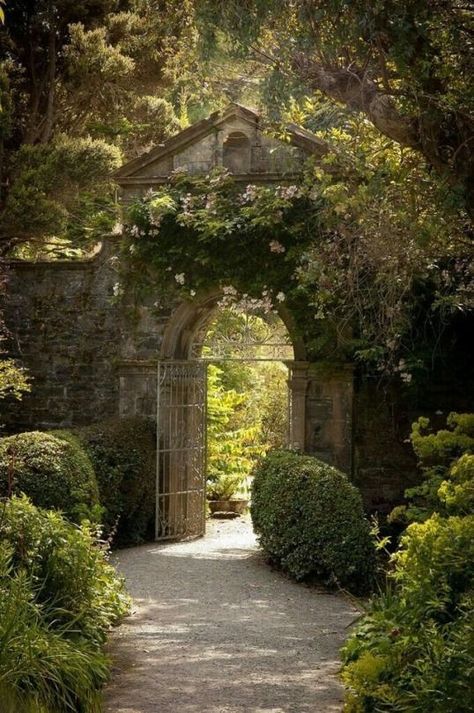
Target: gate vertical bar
158	449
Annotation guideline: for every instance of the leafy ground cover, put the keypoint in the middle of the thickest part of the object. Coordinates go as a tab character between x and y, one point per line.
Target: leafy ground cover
58	599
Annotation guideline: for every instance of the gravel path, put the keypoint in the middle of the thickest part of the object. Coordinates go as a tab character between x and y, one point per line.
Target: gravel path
215	630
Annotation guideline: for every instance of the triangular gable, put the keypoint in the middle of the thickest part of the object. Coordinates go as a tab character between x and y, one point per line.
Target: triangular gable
234	117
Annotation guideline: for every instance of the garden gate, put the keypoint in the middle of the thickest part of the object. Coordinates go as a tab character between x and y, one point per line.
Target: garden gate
181	449
181	413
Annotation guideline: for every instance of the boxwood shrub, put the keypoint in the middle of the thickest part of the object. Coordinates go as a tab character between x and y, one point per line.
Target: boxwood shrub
123	453
54	473
310	521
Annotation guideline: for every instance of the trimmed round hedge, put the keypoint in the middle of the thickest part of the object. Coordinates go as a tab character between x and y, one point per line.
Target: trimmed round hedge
310	521
54	473
123	454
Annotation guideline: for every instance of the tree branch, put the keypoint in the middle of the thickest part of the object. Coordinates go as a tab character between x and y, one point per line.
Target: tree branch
356	90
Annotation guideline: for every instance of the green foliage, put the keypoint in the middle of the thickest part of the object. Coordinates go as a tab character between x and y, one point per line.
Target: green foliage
340	246
446	459
404	66
246	401
232	444
58	598
413	650
26	673
53	473
267	402
13	379
225	485
457	492
104	472
61	189
309	520
221	236
392	258
95	72
387	87
102	58
122	452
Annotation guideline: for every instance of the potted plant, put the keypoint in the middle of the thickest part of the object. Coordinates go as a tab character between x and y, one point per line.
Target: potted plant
223	493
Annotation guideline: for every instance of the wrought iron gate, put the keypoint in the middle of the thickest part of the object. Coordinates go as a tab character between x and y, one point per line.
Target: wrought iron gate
181	450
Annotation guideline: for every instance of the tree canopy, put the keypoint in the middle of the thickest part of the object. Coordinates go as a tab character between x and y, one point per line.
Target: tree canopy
385	85
406	66
83	85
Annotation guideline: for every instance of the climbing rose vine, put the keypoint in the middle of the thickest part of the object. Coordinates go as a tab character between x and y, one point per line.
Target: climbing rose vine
349	249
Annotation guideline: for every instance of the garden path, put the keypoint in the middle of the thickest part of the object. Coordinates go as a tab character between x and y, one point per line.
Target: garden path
215	630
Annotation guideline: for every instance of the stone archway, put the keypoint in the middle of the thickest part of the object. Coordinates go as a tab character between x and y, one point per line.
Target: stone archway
322	393
181	378
191	318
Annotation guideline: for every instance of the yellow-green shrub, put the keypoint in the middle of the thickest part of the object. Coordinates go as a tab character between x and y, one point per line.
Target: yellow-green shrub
417	639
414	649
446	461
457	492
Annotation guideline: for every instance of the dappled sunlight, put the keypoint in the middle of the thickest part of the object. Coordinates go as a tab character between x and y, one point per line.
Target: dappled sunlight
215	629
217	554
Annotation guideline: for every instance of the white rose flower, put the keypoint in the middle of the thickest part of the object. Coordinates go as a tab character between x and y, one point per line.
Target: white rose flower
276	247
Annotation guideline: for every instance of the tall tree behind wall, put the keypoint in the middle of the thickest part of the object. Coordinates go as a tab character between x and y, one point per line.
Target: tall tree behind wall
406	65
83	86
387	86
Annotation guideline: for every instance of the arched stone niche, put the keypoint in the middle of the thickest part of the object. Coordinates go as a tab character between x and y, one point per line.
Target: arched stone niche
236	153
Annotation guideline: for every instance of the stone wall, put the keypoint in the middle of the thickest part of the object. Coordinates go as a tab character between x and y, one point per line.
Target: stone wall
65	329
384	464
91	357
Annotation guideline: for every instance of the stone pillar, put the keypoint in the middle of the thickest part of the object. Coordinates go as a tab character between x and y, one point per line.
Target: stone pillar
329	406
297	387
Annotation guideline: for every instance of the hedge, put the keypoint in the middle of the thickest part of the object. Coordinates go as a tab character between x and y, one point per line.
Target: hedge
123	453
310	521
54	473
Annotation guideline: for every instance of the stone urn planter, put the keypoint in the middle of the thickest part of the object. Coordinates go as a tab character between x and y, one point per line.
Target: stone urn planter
233	506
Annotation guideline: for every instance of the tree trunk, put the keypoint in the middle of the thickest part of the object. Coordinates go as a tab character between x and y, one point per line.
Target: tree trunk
49	114
43	95
447	142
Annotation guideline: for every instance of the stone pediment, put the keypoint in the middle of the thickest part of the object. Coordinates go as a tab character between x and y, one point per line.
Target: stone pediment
233	139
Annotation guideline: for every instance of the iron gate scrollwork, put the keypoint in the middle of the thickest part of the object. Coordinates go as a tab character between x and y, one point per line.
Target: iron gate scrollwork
181	450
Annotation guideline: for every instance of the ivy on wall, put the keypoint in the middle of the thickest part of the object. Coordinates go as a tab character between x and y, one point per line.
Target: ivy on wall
360	262
198	234
204	232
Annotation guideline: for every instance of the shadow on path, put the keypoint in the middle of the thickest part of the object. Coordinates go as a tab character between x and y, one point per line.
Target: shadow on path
215	630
